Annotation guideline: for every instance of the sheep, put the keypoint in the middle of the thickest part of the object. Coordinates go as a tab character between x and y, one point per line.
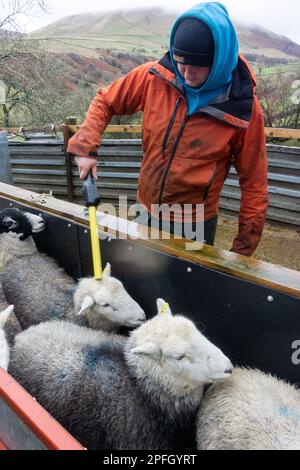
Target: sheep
12	325
4	347
3	303
250	411
113	392
41	290
16	228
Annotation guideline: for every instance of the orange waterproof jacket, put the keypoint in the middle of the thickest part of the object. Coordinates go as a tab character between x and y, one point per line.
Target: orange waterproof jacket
186	158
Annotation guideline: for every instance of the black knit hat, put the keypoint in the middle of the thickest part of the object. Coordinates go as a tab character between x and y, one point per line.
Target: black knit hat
193	43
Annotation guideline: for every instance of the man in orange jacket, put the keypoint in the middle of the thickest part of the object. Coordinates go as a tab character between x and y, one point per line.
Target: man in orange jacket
200	115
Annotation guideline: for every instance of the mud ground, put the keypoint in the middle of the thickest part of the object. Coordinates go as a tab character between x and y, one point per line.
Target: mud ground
279	244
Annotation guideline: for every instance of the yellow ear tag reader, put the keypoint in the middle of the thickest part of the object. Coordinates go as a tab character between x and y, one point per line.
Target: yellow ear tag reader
92	198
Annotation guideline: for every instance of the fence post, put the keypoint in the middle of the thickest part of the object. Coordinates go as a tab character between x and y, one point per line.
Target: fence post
68	159
5	165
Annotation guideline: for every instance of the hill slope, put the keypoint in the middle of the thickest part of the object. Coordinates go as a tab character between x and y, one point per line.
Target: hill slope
148	29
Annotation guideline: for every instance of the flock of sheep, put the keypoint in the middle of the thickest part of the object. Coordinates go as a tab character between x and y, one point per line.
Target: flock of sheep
60	340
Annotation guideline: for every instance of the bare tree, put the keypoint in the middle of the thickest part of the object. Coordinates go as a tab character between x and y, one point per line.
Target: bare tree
275	93
20	64
35	91
10	10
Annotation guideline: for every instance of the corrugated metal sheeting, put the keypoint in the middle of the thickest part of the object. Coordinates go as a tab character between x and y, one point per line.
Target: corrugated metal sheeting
40	167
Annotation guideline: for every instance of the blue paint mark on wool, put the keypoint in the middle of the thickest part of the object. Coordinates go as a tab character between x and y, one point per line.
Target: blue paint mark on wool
102	354
63	376
286	412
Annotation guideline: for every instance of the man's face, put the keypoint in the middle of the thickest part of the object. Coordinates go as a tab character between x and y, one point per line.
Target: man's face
194	75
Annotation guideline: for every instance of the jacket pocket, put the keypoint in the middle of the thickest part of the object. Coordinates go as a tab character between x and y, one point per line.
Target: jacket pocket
189	181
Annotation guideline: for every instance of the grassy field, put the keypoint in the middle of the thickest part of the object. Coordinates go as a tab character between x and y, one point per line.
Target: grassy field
90	47
150	45
289	69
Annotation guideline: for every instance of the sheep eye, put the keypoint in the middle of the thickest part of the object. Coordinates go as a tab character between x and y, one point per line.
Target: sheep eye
179	358
109	305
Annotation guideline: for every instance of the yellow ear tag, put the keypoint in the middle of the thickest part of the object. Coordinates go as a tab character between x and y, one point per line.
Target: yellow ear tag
164	308
107	269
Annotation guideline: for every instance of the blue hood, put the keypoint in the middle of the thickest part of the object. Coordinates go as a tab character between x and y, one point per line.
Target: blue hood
215	16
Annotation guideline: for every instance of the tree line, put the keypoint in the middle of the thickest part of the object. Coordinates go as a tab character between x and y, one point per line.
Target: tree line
39	87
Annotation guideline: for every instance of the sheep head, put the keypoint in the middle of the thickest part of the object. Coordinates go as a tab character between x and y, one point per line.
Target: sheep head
106	302
20	224
172	352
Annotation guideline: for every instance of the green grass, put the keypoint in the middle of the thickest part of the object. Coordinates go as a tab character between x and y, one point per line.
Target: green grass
151	45
288	69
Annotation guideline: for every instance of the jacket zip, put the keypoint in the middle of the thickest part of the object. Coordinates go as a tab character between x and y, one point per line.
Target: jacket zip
155	72
171	159
205	196
165	141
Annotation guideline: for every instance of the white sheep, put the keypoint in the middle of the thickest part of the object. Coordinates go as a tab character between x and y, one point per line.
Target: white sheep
250	411
42	291
105	303
4	347
12	325
16	228
113	392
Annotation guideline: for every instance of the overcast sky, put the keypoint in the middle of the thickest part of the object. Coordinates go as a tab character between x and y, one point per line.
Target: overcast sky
280	16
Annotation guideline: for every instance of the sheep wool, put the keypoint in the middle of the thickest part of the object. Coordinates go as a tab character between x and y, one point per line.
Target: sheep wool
12	326
112	392
41	291
4	347
250	411
16	228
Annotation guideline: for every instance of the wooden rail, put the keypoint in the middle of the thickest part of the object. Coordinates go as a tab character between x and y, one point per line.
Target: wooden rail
136	129
45	166
283	133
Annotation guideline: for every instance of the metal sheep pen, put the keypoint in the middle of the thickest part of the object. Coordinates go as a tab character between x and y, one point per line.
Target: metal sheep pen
248	308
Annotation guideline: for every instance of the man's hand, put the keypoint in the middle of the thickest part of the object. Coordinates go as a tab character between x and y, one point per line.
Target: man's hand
85	164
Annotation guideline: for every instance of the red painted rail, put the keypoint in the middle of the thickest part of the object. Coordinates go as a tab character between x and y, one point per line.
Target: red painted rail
48	431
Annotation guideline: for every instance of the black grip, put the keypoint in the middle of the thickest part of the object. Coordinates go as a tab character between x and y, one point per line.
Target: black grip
90	193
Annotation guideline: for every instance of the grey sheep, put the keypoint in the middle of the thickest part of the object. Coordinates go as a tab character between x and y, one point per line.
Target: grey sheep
40	290
250	411
112	392
16	229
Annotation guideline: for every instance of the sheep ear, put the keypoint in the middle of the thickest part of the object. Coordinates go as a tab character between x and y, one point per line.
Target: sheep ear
163	307
148	349
106	271
5	314
87	302
10	223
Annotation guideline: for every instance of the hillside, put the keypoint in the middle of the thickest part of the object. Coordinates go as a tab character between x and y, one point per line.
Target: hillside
79	70
77	54
147	31
6	34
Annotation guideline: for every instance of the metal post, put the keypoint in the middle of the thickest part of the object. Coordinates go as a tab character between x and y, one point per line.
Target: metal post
5	164
68	158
